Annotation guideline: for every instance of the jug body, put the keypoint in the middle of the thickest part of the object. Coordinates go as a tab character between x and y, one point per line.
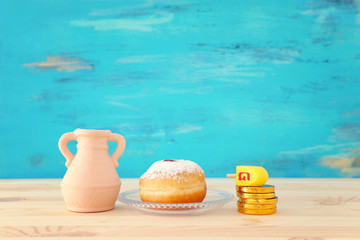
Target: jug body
91	183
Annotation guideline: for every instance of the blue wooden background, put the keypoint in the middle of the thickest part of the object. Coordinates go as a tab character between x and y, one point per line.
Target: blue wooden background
222	83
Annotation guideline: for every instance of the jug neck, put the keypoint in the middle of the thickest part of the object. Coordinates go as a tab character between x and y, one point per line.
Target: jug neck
92	143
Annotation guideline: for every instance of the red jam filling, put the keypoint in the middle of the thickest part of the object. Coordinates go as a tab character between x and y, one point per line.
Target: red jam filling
169	160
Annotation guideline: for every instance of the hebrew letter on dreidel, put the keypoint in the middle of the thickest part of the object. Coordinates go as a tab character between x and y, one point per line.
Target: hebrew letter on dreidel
244	176
258	176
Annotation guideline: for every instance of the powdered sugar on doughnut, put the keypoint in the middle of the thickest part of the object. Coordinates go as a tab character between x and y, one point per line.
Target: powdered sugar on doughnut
171	169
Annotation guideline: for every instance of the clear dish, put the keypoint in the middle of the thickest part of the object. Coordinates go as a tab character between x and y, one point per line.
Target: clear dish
213	200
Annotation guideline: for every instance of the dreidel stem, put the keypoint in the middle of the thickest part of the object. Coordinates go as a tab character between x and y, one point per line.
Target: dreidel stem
231	175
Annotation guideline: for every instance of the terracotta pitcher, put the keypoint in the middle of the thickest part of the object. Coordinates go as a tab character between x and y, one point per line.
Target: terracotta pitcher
91	183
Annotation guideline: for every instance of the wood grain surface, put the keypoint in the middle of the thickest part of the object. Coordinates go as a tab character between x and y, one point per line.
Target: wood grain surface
312	209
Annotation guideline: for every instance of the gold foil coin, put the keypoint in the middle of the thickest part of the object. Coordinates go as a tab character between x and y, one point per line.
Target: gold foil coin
256	195
259	201
261	189
255	206
257	211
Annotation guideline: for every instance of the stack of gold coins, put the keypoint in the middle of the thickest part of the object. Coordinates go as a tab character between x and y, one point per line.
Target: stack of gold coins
257	200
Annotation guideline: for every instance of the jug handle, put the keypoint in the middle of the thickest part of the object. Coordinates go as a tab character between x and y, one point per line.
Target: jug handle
64	139
121	143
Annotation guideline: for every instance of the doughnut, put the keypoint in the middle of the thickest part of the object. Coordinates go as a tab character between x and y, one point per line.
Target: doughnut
173	181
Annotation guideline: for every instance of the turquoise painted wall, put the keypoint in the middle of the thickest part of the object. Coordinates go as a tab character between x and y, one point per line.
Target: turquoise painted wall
222	83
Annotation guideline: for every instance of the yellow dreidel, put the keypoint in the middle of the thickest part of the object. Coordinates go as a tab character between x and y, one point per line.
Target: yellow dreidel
250	176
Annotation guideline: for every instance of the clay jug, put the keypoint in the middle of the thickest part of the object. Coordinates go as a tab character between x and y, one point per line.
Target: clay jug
91	183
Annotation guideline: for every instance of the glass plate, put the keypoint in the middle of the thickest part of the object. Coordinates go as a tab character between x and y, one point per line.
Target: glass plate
213	200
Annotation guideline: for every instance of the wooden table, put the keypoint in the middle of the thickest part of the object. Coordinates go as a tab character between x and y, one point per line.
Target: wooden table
308	209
